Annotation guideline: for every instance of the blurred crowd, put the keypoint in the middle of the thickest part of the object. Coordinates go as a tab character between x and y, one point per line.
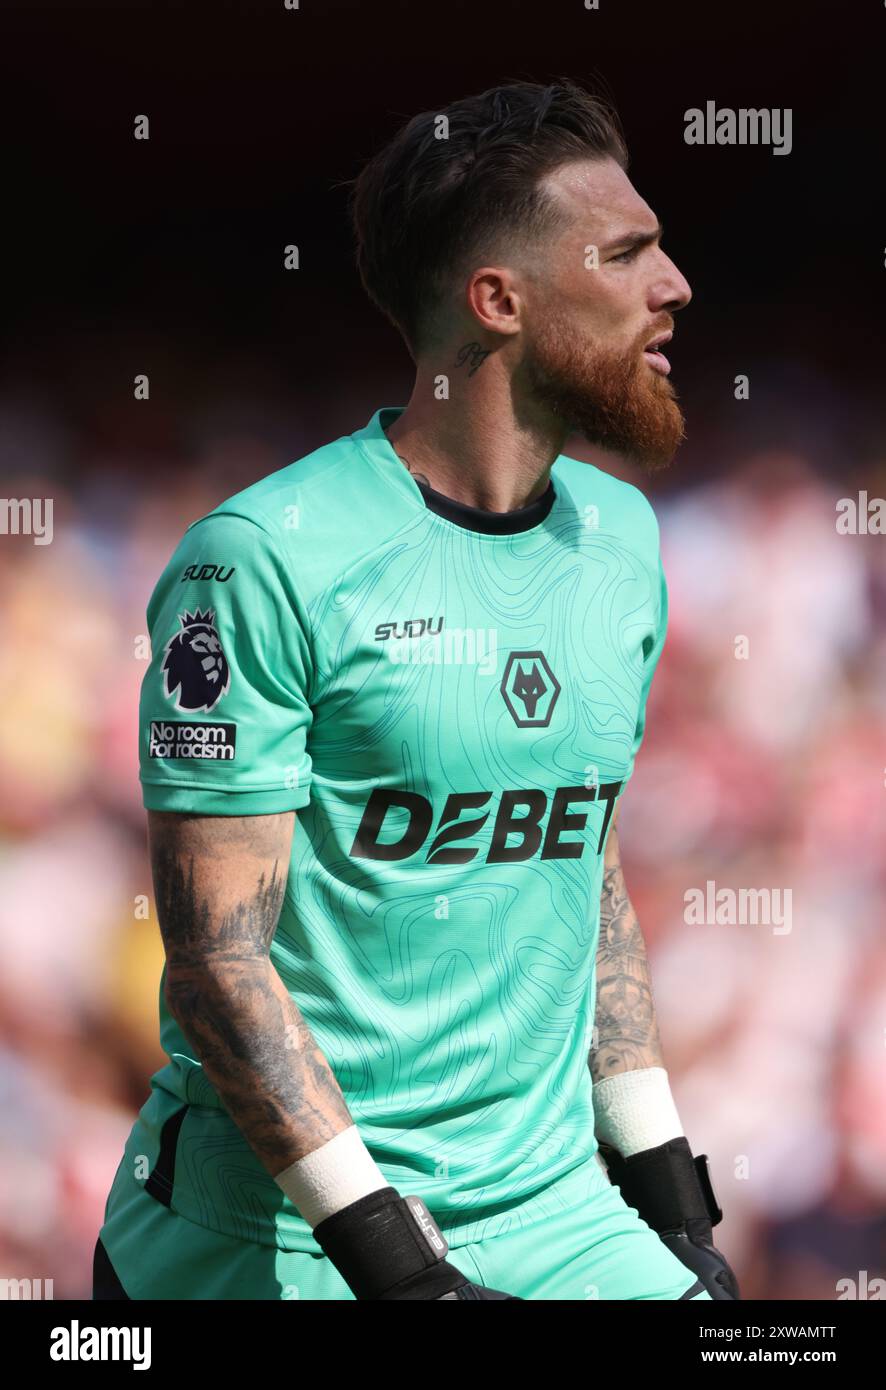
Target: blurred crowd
764	767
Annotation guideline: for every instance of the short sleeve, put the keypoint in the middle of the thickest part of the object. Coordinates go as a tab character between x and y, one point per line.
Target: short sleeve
652	649
225	704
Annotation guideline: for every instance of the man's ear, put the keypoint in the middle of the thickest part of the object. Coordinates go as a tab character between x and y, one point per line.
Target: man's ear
494	301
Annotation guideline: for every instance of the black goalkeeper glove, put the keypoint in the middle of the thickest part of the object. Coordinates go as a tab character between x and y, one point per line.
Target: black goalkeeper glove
386	1246
673	1193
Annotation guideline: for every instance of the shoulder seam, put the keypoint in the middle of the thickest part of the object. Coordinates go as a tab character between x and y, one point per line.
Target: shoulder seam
655	560
274	546
241	516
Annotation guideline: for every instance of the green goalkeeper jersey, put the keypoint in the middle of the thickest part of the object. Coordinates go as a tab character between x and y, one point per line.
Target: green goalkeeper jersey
451	700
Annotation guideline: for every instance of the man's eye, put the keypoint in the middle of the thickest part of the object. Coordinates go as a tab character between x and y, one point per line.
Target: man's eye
625	256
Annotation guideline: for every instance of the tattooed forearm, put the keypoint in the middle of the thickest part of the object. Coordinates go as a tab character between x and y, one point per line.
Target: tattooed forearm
626	1029
219	885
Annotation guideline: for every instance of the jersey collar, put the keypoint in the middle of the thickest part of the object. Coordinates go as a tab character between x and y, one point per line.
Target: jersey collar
459	513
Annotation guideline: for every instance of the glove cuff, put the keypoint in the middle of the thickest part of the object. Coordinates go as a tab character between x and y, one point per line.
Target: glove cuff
669	1188
388	1247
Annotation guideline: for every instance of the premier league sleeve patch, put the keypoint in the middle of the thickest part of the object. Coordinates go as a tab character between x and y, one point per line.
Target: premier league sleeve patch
196	670
176	738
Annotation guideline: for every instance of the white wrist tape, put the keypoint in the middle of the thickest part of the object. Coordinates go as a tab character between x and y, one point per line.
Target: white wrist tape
634	1110
340	1172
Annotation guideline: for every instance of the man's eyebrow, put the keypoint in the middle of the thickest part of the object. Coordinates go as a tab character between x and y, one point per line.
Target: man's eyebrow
633	241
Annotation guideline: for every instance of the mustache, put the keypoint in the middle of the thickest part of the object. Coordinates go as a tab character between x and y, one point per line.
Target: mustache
665	325
611	398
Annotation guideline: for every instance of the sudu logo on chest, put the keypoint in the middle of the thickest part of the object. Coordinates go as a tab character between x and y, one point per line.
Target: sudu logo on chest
412	627
430	642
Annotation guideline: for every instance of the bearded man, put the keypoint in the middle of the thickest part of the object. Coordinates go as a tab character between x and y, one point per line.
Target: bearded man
406	1001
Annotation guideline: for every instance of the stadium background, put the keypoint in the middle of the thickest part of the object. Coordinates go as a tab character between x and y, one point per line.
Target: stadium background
166	257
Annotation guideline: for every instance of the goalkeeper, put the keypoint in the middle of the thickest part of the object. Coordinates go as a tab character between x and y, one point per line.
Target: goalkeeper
396	693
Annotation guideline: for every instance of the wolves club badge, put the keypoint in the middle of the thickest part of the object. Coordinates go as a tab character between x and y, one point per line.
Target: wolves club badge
530	689
197	671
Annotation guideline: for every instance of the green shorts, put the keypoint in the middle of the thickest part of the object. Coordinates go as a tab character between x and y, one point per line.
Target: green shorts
576	1239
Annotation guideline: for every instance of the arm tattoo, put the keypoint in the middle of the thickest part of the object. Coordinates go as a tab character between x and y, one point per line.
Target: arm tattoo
626	1030
219	887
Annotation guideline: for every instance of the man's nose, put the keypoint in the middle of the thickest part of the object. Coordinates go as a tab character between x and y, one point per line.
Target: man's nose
670	290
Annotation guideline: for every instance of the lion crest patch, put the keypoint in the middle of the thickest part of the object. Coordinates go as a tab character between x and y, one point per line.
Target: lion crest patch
195	666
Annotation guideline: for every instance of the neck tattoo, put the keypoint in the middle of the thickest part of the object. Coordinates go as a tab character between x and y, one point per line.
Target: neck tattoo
473	354
419	477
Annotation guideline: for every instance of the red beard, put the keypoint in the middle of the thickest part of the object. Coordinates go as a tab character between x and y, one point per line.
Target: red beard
616	400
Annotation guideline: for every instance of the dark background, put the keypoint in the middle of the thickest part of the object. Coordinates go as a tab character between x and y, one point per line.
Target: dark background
165	257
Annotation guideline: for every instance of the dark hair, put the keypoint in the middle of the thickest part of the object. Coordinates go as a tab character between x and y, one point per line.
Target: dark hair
423	204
